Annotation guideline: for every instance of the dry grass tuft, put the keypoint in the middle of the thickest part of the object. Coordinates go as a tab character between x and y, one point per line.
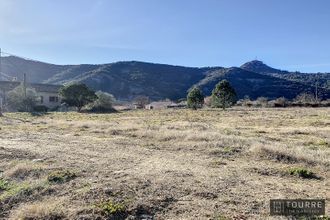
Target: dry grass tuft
274	154
285	154
24	170
48	209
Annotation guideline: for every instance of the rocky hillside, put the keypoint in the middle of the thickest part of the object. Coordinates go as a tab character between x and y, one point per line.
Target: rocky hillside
158	81
320	79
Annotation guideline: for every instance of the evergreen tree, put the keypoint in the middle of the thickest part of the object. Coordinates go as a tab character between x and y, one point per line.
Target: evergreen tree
195	98
223	95
77	95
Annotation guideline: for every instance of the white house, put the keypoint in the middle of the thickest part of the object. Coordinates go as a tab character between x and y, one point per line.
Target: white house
48	94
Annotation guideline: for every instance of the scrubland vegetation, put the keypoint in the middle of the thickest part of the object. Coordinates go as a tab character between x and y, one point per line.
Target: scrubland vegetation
166	164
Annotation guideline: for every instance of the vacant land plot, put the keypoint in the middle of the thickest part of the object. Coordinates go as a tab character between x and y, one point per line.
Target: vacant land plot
169	164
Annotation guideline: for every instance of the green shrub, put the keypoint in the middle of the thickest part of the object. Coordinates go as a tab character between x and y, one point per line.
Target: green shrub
4	185
112	208
103	103
301	172
61	176
221	217
16	190
324	143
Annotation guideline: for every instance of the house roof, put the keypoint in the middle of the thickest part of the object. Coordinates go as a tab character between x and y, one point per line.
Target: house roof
10	85
45	87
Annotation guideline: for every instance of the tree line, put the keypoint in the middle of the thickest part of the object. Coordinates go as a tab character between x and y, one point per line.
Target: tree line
81	96
223	96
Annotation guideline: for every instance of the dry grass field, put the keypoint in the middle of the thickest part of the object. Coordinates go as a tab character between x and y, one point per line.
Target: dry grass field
168	164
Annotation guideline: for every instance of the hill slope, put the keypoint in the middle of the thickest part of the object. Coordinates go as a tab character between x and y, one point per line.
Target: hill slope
321	79
255	84
158	81
128	79
36	71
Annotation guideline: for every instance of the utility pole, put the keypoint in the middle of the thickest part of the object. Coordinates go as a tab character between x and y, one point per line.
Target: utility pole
0	61
24	84
24	89
0	97
316	92
317	87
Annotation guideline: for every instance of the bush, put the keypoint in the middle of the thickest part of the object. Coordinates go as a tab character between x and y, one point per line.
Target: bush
141	101
305	99
61	176
4	184
54	109
246	101
262	101
110	208
281	102
19	101
40	108
326	103
301	172
103	103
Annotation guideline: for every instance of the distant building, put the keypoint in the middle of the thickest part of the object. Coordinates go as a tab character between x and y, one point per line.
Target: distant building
164	105
137	106
48	94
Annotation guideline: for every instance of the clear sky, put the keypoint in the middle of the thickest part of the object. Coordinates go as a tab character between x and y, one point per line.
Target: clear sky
286	34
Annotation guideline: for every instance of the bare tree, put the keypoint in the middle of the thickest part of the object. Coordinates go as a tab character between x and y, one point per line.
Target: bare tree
305	98
22	99
141	101
262	101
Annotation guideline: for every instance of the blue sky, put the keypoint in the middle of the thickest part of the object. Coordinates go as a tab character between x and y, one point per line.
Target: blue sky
287	34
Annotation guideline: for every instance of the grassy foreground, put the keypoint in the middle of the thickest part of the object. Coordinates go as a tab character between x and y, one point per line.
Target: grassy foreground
169	164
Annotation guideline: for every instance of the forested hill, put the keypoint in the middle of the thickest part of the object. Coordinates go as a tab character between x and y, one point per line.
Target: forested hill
126	80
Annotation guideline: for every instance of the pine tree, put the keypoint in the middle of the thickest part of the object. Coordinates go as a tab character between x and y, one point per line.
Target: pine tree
223	95
195	98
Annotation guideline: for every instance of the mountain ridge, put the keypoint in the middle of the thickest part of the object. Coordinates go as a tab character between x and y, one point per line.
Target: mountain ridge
128	79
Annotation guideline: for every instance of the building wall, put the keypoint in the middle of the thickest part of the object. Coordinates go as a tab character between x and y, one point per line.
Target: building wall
51	100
